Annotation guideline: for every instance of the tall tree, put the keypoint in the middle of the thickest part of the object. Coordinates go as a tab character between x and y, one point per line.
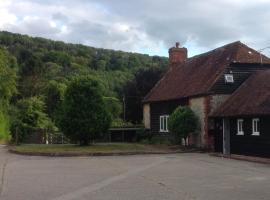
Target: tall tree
8	75
31	74
84	116
54	97
8	88
136	89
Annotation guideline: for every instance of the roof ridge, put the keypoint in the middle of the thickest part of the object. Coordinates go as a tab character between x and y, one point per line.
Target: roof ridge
217	48
264	57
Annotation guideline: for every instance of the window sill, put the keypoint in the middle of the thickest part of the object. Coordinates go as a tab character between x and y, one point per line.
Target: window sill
240	133
164	131
255	134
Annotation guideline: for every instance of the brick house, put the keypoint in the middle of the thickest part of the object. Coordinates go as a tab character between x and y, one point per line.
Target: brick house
203	82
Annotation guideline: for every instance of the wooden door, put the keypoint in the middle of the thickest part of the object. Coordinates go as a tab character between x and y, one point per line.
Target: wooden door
218	135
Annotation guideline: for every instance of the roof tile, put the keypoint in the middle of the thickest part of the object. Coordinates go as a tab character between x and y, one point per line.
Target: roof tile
251	98
197	74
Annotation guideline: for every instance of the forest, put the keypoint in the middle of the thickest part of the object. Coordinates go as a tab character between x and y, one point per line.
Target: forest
35	73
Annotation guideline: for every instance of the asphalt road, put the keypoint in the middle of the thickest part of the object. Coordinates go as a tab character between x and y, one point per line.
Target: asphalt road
153	177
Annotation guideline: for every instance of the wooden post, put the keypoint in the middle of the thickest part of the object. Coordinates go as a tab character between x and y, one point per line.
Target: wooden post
16	136
226	136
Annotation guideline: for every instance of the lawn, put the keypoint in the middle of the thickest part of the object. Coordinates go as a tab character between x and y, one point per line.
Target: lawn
95	148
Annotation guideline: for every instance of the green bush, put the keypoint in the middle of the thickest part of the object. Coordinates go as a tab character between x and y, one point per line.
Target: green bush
4	126
85	116
28	117
182	122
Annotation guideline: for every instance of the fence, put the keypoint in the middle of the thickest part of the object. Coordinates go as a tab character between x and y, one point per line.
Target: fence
46	138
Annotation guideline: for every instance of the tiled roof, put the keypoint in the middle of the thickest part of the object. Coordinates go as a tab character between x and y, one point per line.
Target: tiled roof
197	74
251	98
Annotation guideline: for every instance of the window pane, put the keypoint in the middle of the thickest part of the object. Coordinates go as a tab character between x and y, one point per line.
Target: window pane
165	124
240	126
255	126
160	123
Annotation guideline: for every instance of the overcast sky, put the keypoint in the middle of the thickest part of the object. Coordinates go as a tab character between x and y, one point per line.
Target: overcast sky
144	26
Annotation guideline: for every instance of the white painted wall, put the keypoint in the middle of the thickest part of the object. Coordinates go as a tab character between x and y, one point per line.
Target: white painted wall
146	116
198	107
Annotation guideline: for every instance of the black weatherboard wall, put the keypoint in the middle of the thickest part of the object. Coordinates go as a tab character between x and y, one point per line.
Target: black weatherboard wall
163	108
240	72
249	144
218	134
249	79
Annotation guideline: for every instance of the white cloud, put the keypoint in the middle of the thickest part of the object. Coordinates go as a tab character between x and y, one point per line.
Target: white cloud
141	25
5	16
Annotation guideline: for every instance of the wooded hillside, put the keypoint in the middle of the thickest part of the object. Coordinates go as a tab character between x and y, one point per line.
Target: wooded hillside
45	67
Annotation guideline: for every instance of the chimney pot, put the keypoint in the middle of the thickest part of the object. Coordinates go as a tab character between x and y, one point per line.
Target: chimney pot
177	54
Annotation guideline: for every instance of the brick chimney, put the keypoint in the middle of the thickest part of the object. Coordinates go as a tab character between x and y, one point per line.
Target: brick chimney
177	54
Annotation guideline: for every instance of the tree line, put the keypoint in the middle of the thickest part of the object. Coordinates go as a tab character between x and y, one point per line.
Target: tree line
36	72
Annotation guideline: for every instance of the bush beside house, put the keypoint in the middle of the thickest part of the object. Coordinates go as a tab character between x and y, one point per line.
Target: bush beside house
182	123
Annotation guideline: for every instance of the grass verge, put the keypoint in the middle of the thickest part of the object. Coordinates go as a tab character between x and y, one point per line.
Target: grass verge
3	141
95	148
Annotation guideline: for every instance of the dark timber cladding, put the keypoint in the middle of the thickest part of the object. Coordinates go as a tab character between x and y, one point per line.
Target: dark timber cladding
163	108
250	101
240	72
251	98
248	144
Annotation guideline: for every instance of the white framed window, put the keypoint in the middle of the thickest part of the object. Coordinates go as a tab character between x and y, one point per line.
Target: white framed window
240	130
255	126
228	78
163	123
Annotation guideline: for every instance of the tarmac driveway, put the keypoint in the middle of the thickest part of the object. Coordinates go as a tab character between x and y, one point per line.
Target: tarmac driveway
180	176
